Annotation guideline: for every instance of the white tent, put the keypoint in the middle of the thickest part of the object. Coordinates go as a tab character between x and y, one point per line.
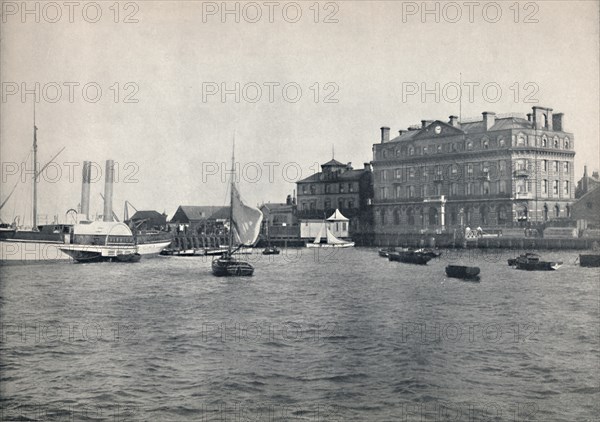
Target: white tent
337	216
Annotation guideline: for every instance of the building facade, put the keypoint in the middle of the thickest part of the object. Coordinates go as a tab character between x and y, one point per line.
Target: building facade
280	222
207	220
338	186
493	172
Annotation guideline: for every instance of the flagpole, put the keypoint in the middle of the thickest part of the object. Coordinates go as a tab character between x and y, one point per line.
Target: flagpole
460	99
231	195
35	176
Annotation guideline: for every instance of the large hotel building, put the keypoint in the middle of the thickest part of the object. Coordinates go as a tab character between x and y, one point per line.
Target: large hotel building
493	172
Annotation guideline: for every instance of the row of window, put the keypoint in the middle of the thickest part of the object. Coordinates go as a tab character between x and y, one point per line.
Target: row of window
453	216
314	189
327	204
469	145
465	216
455	171
454	189
471	188
566	188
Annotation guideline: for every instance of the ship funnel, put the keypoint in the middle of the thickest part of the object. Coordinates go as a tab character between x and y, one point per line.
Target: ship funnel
85	189
108	190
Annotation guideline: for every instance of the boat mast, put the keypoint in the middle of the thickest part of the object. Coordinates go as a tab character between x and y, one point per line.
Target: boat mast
230	246
35	176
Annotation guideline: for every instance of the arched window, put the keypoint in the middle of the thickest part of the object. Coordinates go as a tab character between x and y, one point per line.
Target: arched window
397	217
468	215
567	145
469	145
484	212
544	142
411	150
557	210
501	142
453	217
433	216
545	212
521	140
502	215
556	144
410	215
485	143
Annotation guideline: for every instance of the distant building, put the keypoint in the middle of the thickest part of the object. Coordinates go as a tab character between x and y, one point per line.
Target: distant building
587	183
147	220
208	220
495	171
280	220
586	210
338	186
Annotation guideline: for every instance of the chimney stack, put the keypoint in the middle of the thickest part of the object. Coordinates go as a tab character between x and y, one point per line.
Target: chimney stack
425	123
529	117
108	190
85	189
367	166
385	134
453	121
557	121
489	119
542	118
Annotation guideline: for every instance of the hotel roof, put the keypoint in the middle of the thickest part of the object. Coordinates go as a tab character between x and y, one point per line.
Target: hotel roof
469	127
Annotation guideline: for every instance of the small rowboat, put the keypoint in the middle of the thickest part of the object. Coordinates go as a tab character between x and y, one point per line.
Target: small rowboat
463	272
589	260
384	253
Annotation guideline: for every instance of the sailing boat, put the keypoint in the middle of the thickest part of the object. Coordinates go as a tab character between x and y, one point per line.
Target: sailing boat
332	241
244	226
41	242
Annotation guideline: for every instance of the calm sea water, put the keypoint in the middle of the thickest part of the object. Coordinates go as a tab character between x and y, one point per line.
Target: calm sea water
314	337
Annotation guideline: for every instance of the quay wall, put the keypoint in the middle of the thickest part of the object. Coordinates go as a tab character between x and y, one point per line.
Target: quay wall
449	240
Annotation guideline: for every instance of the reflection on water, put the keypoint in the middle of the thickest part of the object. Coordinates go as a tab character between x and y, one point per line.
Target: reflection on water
314	335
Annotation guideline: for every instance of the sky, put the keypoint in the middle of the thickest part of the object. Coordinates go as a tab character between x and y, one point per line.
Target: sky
295	85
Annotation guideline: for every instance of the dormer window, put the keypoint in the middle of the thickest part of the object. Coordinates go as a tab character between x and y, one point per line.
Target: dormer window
469	145
411	151
485	144
501	142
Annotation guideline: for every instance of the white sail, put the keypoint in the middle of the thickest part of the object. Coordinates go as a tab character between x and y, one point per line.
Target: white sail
319	235
246	220
332	240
